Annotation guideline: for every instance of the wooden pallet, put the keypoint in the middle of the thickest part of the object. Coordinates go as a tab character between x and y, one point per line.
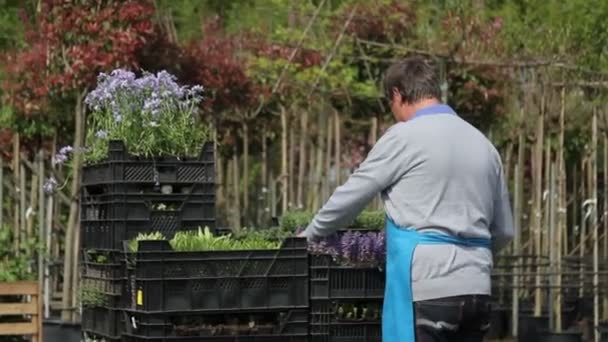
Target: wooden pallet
30	310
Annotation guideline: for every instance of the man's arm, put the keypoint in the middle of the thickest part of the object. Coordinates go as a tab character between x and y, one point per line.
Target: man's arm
501	227
383	166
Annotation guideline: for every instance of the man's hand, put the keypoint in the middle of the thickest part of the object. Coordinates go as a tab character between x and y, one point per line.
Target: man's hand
301	234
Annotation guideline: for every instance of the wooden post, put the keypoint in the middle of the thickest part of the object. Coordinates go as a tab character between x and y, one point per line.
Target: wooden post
246	172
237	192
1	192
40	189
22	206
338	155
302	159
17	215
67	304
536	211
596	302
555	310
516	249
292	165
584	216
328	146
605	221
284	170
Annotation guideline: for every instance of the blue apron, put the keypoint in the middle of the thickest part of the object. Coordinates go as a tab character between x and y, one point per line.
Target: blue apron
398	310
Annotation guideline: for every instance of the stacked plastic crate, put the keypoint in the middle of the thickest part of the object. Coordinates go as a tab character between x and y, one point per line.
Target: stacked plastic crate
122	197
228	296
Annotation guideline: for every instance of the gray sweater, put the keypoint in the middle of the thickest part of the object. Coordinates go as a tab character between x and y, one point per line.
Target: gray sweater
435	172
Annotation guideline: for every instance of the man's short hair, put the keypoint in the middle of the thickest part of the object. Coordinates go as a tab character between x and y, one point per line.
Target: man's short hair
415	79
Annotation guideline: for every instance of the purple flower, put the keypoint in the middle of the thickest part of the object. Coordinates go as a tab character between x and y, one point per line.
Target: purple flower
65	150
50	185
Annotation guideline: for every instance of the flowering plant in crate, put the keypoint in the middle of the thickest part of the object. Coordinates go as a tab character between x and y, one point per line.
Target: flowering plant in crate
353	248
153	115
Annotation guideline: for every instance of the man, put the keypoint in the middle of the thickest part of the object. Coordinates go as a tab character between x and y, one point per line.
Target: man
447	208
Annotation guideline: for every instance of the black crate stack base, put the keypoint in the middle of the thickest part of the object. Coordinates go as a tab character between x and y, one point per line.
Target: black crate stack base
345	302
122	197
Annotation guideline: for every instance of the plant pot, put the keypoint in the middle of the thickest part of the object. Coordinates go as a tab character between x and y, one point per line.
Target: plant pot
560	337
61	331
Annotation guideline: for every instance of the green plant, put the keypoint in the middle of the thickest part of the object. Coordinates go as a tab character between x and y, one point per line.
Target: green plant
292	220
204	240
91	297
370	219
16	265
133	244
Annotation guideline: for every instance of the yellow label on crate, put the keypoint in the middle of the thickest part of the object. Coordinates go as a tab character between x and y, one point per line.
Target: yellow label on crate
140	297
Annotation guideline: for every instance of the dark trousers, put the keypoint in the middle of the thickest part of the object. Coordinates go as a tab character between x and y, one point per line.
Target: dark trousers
461	318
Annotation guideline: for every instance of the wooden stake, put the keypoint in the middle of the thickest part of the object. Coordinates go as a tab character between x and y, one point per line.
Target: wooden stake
16	204
302	158
516	249
292	165
555	310
338	155
319	163
67	304
596	302
246	171
536	210
284	171
1	192
605	221
328	149
237	192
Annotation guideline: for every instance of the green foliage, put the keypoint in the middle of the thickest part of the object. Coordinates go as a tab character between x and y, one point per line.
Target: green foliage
15	266
92	297
370	219
133	244
292	220
204	240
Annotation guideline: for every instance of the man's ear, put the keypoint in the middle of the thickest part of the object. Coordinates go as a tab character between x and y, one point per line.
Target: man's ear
396	95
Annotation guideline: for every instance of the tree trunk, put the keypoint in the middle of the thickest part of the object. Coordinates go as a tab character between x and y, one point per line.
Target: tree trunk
319	163
338	152
284	171
219	172
246	173
69	255
537	200
302	161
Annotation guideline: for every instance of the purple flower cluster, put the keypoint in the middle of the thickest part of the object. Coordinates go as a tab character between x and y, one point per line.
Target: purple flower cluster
353	248
121	91
63	155
50	185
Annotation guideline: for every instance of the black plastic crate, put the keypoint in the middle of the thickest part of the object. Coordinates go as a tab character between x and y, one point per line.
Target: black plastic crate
269	325
108	220
330	321
329	280
103	322
122	169
226	280
105	273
